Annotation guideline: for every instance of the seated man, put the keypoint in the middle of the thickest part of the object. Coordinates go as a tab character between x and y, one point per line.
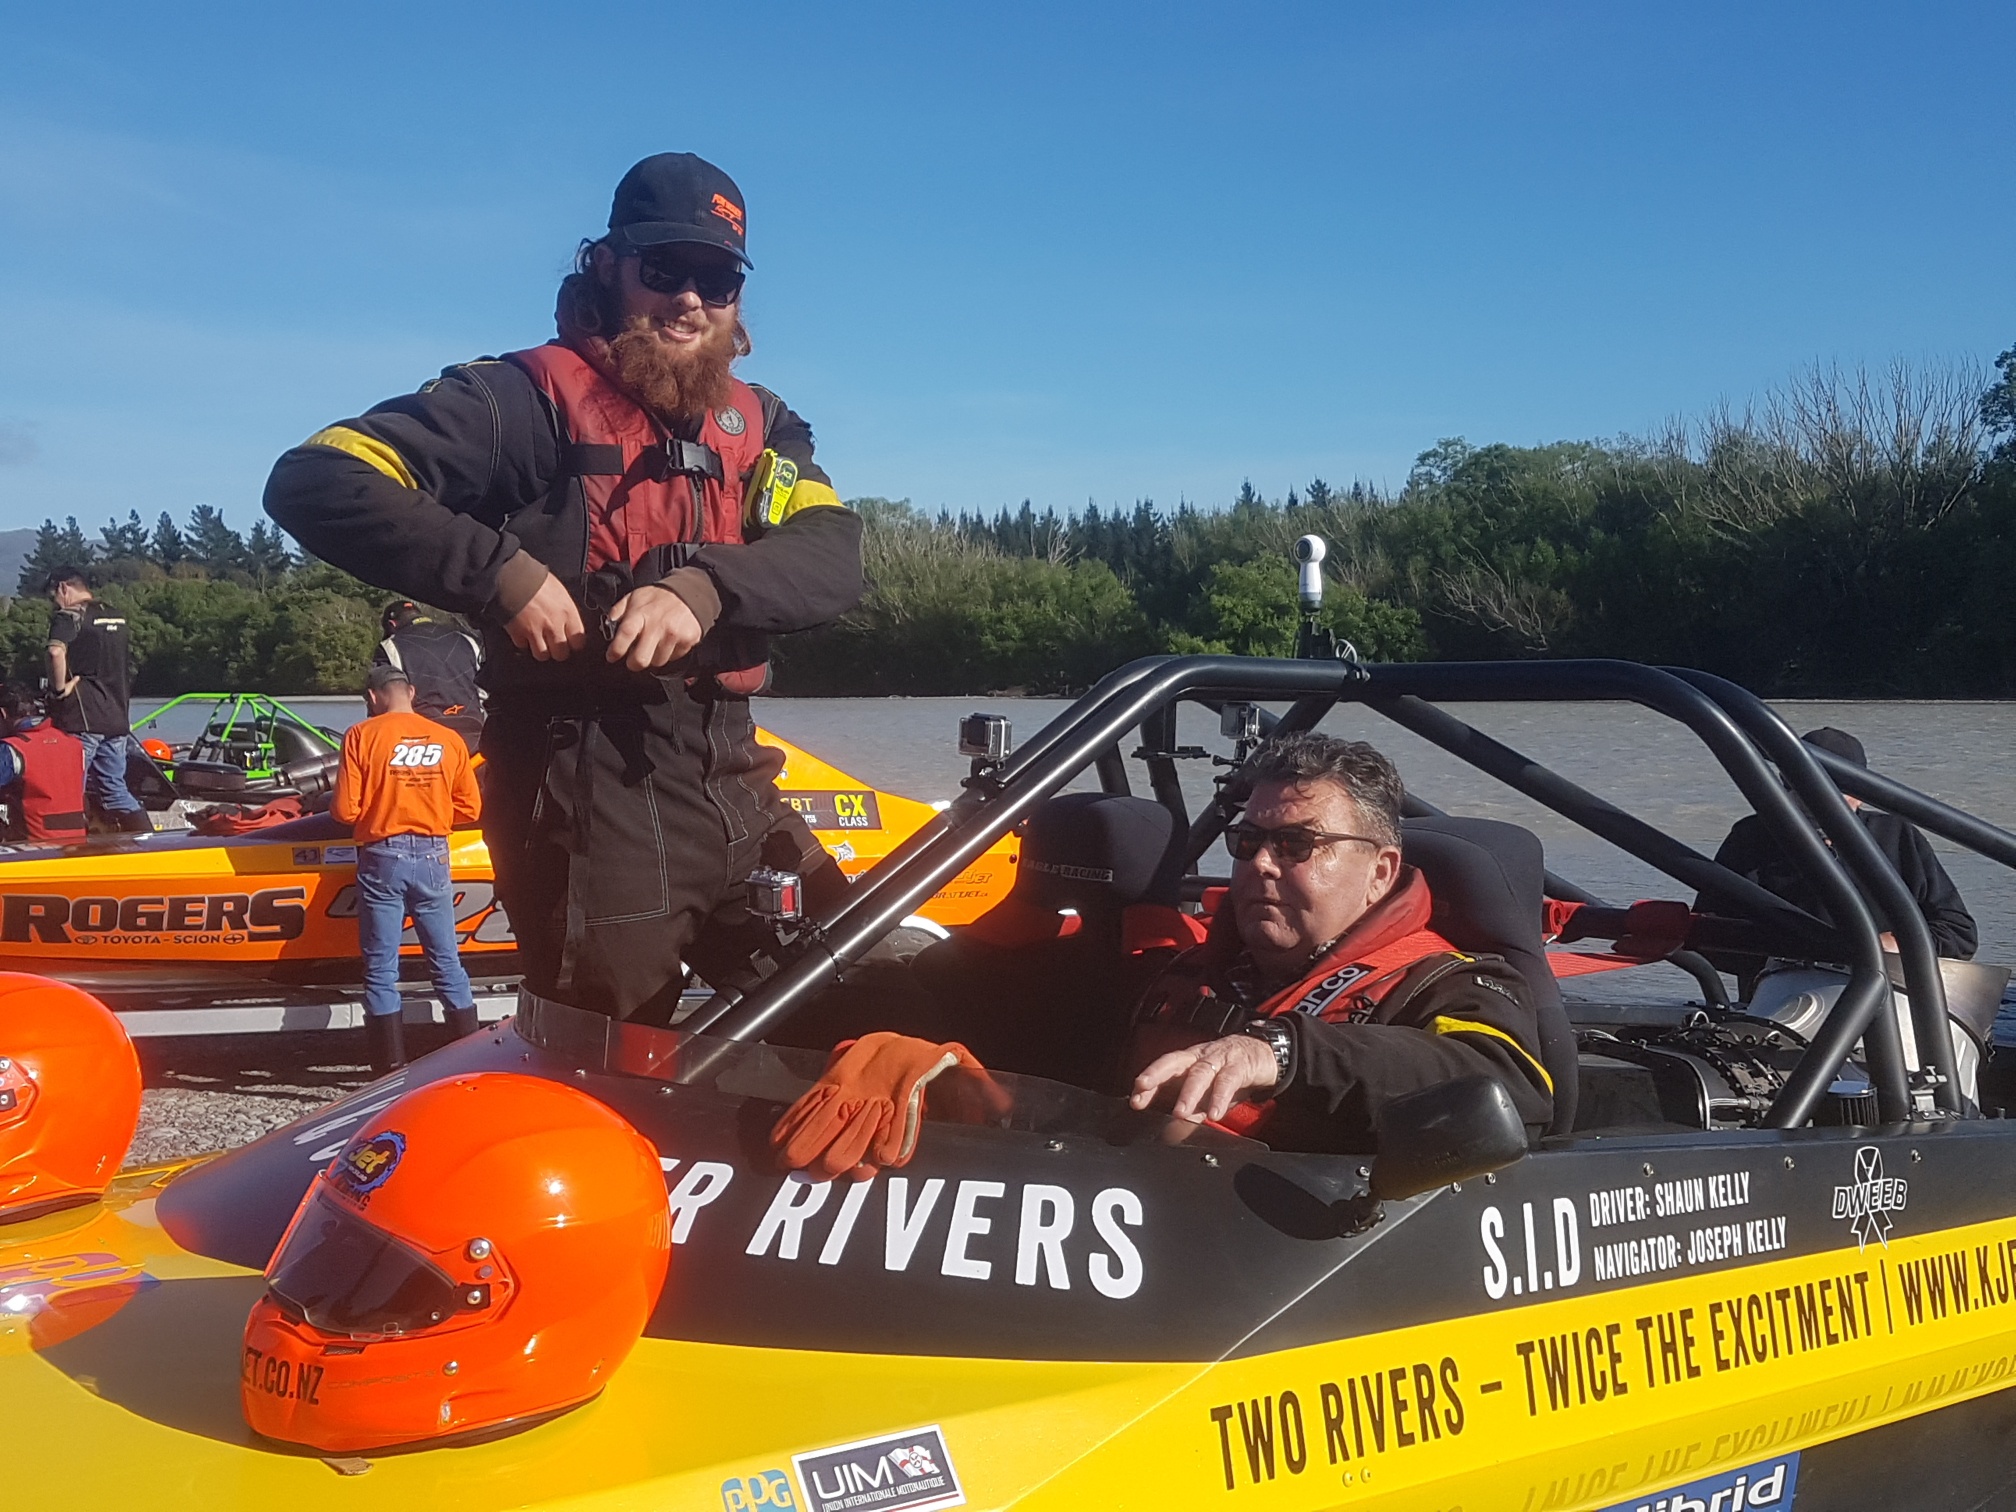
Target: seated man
1752	851
1322	994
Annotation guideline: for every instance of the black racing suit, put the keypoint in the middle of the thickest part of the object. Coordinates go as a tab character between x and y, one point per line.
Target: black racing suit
623	811
444	665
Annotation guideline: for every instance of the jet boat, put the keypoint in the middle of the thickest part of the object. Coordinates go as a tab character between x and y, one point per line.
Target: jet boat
1751	1265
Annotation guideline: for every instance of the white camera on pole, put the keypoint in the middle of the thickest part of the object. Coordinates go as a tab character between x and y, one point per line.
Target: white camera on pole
1310	551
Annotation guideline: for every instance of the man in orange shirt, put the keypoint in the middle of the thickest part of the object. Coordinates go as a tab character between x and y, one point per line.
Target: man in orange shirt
404	784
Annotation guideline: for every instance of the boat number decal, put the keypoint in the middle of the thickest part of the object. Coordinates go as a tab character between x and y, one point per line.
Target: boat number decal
1685	1222
298	1381
911	1471
1869	1200
1034	1236
274	913
1767	1484
836	810
766	1488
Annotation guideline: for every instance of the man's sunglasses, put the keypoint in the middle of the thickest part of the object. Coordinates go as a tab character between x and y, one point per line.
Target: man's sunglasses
670	272
1291	845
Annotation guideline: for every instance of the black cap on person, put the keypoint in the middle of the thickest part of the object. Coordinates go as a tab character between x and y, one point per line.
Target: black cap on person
1837	743
383	675
678	197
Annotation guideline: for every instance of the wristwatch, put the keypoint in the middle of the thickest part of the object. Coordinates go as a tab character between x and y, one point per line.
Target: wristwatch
1279	1038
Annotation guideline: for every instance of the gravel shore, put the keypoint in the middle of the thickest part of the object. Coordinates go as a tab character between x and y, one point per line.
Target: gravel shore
212	1092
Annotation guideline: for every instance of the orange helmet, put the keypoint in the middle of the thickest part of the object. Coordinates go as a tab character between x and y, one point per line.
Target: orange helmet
69	1096
160	750
482	1255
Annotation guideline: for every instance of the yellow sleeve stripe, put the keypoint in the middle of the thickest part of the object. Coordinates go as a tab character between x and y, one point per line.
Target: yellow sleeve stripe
1443	1024
367	449
807	494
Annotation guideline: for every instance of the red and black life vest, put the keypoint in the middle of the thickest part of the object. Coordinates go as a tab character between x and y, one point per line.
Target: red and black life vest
649	496
1349	984
51	806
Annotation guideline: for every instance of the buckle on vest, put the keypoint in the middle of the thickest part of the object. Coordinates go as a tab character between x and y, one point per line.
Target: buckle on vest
692	459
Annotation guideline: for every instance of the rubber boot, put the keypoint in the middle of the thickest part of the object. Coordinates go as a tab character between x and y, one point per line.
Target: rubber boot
462	1022
385	1037
135	822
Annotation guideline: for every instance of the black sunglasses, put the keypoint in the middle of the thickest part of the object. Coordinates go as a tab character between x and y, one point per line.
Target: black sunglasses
673	272
1292	845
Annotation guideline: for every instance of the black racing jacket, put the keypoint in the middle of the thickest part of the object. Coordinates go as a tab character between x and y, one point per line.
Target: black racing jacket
455	496
1752	851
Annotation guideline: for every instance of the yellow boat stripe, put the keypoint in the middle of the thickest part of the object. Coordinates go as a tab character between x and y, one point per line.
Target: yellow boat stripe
1443	1024
366	449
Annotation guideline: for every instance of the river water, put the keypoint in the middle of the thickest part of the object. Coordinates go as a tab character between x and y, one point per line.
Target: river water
1962	752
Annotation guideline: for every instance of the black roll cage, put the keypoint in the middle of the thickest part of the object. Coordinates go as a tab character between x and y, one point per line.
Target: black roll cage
1846	868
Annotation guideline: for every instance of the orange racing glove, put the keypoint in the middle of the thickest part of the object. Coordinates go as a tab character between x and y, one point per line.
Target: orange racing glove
865	1112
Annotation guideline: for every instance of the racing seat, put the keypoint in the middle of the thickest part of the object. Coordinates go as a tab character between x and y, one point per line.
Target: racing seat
1043	982
1489	880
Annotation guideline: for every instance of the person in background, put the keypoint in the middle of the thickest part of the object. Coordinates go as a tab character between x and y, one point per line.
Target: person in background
404	783
441	660
1751	851
41	772
89	683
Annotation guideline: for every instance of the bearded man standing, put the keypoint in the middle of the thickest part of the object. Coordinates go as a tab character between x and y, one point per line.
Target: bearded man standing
629	523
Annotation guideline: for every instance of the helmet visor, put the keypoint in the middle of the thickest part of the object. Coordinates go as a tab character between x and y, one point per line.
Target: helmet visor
348	1276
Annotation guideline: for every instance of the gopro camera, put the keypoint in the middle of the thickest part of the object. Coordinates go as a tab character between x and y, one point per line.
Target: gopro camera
985	737
778	896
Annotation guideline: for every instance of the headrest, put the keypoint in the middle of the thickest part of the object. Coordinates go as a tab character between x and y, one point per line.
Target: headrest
1093	851
1488	879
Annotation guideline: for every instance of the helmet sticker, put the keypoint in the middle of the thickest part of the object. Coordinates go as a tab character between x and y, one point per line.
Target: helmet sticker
366	1166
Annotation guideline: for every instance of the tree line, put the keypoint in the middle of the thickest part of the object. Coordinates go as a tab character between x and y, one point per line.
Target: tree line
1851	534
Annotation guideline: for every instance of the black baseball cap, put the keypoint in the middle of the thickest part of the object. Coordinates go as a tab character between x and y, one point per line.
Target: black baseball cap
678	197
383	674
1837	743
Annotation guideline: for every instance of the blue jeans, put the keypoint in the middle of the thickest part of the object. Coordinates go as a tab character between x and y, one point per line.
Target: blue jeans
399	876
105	773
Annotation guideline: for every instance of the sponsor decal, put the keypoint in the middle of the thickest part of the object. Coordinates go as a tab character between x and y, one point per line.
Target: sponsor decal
1868	1201
836	810
1072	873
730	420
273	913
1049	1243
291	1380
339	855
1768	1484
477	920
729	211
1325	992
369	1164
766	1488
909	1470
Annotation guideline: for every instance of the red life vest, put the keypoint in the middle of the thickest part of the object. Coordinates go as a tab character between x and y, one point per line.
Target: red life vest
1348	985
51	806
644	487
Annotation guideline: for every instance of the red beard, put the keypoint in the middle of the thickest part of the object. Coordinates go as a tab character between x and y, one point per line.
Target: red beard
676	383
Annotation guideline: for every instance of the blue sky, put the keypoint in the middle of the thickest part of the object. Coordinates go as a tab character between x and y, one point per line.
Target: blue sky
1059	252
